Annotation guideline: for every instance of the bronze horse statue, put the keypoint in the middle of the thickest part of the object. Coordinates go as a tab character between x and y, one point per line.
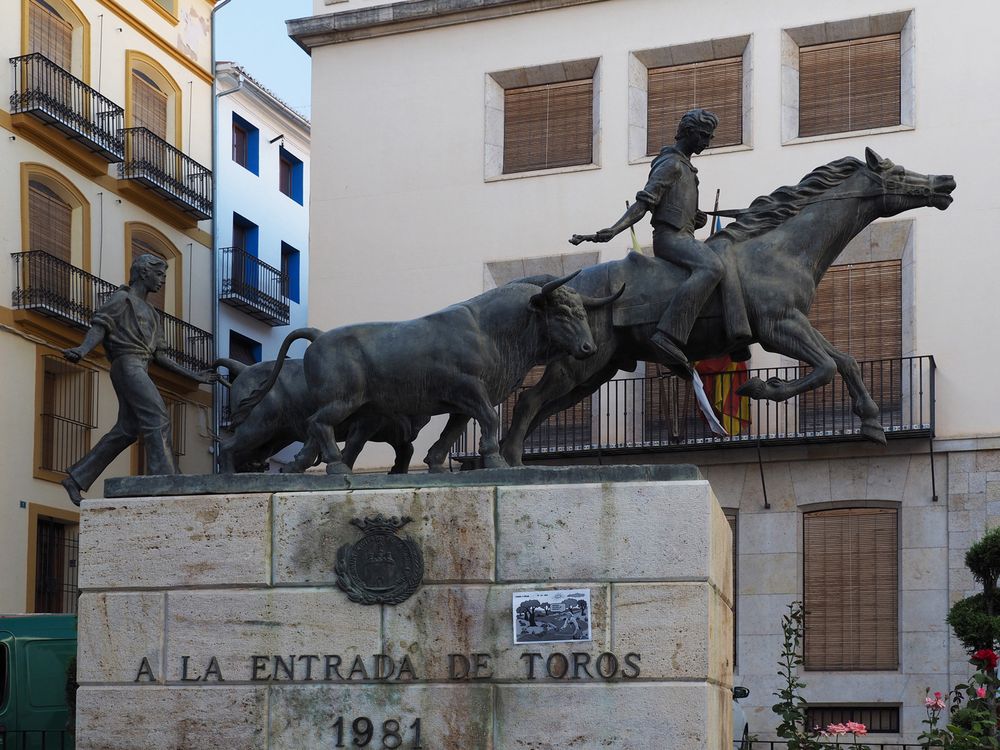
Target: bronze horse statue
775	254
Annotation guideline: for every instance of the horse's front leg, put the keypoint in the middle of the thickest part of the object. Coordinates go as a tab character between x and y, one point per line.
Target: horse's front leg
862	402
794	337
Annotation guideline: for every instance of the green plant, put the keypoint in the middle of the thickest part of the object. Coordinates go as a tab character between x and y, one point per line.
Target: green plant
794	728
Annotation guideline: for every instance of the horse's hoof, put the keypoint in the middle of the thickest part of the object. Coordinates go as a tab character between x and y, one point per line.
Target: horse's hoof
338	468
436	469
753	388
873	432
494	462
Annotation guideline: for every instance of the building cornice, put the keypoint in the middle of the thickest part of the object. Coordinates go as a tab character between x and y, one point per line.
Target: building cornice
410	15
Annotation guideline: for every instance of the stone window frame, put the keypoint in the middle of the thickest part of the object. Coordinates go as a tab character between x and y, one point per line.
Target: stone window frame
840	31
639	64
497	82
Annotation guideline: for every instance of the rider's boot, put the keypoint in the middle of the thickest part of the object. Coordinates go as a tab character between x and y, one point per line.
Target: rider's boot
671	351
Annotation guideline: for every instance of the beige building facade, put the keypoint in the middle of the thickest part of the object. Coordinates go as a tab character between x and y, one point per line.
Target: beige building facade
106	134
424	193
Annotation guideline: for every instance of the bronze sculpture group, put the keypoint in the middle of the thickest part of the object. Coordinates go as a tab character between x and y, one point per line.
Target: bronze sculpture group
752	282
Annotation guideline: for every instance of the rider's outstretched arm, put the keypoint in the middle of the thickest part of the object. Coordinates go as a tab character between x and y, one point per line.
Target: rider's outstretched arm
632	214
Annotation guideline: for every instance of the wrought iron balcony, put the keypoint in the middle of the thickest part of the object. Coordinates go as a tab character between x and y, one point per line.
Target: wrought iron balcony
654	414
160	167
52	287
49	93
250	285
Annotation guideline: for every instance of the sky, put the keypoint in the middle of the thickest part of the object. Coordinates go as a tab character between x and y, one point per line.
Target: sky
252	34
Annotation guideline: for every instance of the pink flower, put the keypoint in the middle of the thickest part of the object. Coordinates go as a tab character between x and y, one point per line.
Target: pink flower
855	728
935	703
835	729
980	692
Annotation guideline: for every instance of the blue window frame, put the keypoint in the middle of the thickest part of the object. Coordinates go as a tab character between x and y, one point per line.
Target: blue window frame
290	176
246	144
244	349
290	271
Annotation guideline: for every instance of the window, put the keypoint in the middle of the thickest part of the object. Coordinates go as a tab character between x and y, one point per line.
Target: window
715	85
665	83
246	140
878	719
858	308
50	34
50	221
245	234
244	349
290	271
153	101
541	118
850	582
290	175
850	85
57	547
68	411
848	76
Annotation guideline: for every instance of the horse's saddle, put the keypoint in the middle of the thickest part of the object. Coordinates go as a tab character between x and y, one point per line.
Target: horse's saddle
649	284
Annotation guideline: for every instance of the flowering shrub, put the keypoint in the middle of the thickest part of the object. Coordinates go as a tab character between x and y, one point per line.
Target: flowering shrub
973	724
852	728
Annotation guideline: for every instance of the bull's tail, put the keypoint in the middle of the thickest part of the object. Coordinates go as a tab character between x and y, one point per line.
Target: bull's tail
245	406
234	366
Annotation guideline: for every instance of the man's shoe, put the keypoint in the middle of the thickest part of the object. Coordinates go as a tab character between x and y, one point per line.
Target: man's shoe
73	490
672	353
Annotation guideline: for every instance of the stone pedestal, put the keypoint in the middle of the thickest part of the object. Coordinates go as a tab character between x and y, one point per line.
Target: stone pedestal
215	620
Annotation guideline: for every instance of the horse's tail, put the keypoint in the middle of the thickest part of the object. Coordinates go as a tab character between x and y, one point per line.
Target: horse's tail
235	368
247	404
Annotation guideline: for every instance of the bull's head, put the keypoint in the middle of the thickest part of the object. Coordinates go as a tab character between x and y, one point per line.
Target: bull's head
564	311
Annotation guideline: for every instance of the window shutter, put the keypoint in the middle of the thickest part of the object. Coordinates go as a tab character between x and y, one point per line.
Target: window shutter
50	35
851	589
50	222
285	176
239	145
715	85
548	126
149	105
851	85
156	299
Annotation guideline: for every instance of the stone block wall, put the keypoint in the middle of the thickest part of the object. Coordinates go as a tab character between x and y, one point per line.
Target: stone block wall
216	620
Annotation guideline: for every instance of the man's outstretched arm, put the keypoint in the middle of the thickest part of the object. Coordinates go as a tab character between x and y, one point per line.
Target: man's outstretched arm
205	376
94	336
632	214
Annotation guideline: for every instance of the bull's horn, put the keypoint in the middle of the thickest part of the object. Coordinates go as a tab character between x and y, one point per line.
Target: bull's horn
592	303
556	283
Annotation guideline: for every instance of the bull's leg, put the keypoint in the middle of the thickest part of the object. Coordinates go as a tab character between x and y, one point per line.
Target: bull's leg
322	430
577	394
307	456
439	451
362	430
227	456
404	453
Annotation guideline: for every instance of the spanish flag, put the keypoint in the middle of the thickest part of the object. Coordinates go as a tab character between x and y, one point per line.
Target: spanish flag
721	377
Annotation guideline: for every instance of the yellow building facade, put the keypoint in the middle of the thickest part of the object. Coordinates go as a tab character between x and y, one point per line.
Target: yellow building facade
105	142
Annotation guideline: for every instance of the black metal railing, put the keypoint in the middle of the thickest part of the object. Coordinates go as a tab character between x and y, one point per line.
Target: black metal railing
250	285
53	287
162	168
46	91
36	739
654	414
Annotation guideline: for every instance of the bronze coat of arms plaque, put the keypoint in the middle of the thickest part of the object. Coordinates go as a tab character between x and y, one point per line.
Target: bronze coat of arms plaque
381	567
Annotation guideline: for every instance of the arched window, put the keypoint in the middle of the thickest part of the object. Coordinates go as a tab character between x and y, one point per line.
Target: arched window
153	99
55	216
141	239
58	30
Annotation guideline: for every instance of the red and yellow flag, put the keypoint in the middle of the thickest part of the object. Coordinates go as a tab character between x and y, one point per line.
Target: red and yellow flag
721	377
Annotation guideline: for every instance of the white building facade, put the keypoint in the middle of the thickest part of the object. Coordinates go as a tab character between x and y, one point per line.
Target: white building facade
434	181
262	238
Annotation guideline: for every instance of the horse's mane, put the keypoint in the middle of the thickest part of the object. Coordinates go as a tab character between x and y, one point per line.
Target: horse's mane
769	211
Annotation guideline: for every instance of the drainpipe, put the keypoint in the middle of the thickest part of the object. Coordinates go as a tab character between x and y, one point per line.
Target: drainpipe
215	228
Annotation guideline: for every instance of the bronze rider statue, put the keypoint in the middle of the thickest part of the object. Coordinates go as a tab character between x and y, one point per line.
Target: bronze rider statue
671	195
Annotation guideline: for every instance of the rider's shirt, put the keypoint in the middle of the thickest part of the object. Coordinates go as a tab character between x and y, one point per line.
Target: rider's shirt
671	192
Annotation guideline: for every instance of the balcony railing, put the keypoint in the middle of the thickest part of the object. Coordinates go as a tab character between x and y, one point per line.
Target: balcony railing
46	91
177	178
52	287
250	285
654	414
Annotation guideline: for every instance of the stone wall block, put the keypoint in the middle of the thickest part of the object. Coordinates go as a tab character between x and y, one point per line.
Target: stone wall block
682	630
441	620
811	480
769	573
171	718
622	531
452	526
452	717
290	623
887	478
849	477
175	541
118	631
622	716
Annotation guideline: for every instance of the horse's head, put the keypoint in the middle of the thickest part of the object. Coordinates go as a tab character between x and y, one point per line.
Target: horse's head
904	189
